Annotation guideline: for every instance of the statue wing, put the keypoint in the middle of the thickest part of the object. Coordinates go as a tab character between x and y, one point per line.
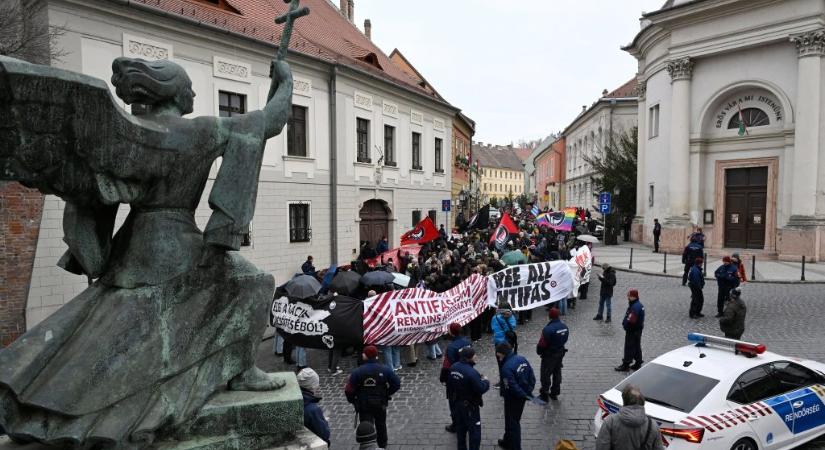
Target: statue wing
62	133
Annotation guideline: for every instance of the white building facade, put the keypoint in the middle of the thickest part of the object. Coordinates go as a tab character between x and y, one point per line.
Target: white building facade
706	67
372	162
586	138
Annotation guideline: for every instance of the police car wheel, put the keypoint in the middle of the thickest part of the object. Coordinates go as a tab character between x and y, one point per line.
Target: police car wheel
744	444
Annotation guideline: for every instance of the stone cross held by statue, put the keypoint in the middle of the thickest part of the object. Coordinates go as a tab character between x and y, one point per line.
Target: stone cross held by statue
289	19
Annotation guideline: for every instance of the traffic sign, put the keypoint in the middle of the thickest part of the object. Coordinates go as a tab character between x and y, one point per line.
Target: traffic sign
445	205
605	197
604	208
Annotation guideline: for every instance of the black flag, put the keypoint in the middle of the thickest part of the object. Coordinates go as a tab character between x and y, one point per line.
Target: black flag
481	220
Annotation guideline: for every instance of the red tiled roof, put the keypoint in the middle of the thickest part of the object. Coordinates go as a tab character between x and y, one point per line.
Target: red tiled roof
324	34
626	90
523	153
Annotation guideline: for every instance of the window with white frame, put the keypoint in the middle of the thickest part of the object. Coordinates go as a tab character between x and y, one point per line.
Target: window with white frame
363	133
296	141
416	151
653	121
389	145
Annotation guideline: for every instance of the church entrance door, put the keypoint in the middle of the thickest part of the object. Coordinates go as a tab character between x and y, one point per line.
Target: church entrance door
746	192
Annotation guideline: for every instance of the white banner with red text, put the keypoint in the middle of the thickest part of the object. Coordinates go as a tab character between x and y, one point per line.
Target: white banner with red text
414	316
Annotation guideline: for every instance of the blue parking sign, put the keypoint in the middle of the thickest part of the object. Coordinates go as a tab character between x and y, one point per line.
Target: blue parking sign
604	198
604	208
445	205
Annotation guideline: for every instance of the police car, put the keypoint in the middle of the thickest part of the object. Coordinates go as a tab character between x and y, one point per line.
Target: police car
725	394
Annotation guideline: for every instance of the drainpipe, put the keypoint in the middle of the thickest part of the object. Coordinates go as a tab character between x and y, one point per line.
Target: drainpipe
333	166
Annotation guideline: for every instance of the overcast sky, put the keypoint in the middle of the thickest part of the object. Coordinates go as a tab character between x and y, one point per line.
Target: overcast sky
521	70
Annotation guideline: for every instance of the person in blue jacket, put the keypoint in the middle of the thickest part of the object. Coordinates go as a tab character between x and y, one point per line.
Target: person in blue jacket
369	388
727	277
503	323
633	324
465	388
314	419
452	357
551	349
696	282
517	384
692	251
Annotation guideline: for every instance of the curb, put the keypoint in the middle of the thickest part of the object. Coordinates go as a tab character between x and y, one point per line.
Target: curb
667	275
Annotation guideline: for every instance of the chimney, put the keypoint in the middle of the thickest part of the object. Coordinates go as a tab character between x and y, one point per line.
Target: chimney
368	29
584	108
351	10
345	8
604	92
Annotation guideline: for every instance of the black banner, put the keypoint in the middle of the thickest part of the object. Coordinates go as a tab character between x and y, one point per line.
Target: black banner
325	323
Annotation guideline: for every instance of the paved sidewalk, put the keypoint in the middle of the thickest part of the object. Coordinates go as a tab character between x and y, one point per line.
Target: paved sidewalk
645	261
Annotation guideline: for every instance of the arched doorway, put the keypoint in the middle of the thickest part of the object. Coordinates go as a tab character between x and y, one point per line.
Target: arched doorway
375	221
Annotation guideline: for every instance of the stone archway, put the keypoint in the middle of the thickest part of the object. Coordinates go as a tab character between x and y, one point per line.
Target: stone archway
374	221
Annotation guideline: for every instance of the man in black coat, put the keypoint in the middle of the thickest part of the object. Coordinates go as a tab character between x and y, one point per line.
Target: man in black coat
657	231
608	280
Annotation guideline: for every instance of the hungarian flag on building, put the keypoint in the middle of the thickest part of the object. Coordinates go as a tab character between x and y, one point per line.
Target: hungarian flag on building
743	129
424	232
502	234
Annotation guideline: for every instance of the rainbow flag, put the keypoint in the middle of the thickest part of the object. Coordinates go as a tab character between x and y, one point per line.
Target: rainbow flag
559	220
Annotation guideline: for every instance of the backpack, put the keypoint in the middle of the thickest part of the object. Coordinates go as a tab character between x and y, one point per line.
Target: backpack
372	391
510	335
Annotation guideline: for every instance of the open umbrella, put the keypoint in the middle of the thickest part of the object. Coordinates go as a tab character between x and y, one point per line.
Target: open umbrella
587	238
345	283
303	287
377	278
401	279
514	258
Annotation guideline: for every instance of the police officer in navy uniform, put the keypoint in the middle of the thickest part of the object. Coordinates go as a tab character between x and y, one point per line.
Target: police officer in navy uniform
465	388
551	349
633	324
369	388
517	384
452	357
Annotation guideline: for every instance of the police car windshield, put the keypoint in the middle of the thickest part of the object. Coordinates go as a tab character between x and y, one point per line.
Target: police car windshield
671	387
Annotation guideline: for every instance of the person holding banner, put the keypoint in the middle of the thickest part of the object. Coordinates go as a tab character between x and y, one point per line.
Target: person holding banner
369	388
465	388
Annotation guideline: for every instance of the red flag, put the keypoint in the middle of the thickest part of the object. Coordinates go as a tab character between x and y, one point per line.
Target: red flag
424	232
502	233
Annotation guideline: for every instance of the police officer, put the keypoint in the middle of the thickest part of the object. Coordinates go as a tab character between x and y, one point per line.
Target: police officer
517	384
452	357
633	324
369	388
465	387
551	350
727	277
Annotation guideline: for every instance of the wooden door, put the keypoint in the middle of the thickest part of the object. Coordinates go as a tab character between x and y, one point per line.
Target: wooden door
374	221
746	193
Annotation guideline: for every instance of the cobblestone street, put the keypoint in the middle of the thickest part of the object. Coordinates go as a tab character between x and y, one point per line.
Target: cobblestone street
784	317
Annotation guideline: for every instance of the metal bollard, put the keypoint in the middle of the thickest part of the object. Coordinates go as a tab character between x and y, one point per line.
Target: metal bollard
803	267
753	268
631	259
665	271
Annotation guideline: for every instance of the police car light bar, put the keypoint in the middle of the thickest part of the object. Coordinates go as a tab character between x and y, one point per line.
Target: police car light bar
746	348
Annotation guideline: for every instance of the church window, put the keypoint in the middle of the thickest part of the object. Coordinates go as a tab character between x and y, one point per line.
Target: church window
754	117
653	121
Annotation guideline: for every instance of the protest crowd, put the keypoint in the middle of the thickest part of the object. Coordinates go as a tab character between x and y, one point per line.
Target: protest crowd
440	263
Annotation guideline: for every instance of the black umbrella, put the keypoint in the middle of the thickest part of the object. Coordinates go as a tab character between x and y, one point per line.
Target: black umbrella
345	283
377	278
303	287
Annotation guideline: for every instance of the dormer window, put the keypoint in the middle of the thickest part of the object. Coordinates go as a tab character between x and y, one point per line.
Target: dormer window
371	59
220	4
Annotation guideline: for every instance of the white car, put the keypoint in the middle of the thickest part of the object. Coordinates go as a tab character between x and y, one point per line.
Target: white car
723	394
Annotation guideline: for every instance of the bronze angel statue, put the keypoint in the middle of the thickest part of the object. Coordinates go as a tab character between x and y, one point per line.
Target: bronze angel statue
173	314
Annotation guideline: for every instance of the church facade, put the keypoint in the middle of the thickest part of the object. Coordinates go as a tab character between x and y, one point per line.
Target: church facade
365	155
731	132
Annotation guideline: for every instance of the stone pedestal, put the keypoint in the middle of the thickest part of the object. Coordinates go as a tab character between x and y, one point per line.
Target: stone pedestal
674	236
795	241
238	420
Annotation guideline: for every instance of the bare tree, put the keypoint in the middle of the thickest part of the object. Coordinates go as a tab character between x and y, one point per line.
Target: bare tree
25	32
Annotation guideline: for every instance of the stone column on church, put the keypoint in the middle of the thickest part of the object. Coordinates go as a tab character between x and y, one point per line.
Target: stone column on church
681	71
638	232
806	222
